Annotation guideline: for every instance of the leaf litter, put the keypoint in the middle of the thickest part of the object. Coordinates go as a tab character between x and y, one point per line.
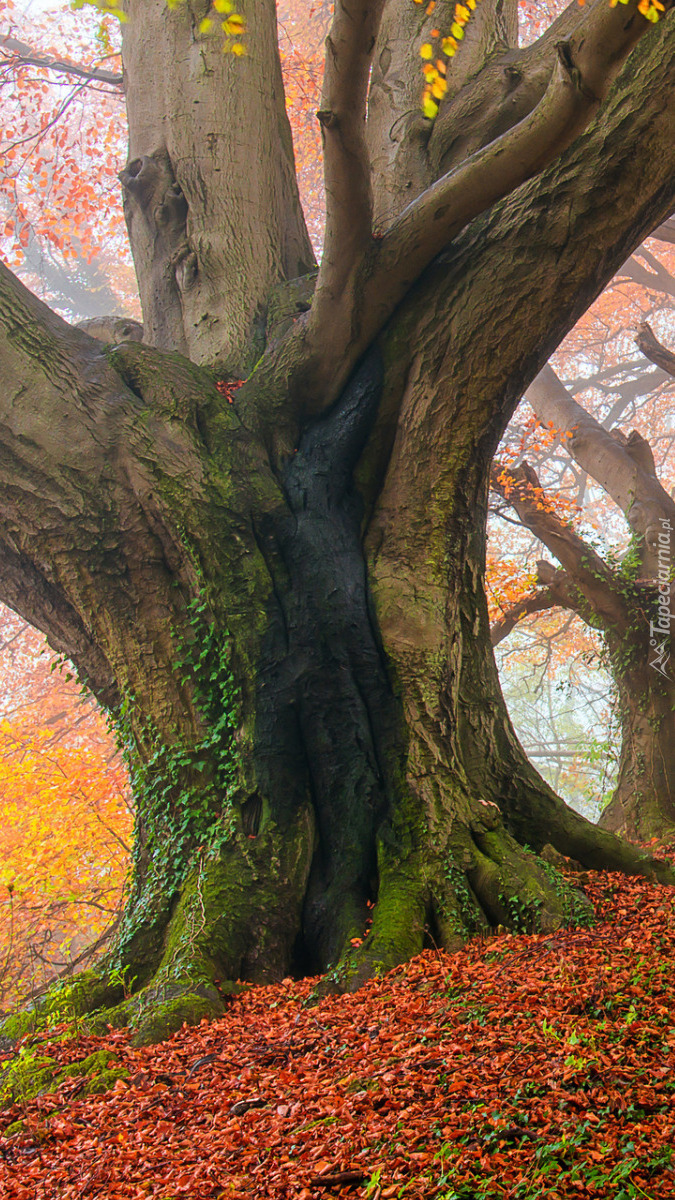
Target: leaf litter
522	1066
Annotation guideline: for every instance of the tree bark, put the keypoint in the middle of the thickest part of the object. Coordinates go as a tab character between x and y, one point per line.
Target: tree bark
214	220
286	615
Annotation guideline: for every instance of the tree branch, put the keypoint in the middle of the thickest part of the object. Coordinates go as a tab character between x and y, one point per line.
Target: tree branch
40	601
585	68
556	589
356	297
496	98
404	144
20	53
592	577
535	601
653	350
623	466
342	116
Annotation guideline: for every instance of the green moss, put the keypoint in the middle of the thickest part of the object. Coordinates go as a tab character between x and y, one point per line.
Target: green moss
25	1077
29	1074
160	1020
84	994
62	1003
19	1025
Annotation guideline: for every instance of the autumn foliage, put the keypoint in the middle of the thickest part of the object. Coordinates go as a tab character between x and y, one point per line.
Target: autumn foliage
65	820
521	1067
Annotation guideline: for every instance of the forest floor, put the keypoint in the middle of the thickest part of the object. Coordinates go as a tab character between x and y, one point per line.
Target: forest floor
520	1067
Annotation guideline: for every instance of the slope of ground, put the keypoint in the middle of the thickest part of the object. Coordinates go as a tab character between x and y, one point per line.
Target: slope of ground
520	1067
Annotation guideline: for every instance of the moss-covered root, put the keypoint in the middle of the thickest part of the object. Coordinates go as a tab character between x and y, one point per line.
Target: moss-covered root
161	1009
30	1073
480	880
63	1003
90	1003
600	850
516	889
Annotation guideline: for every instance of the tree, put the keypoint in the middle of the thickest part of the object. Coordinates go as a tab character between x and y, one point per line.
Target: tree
276	588
555	662
629	600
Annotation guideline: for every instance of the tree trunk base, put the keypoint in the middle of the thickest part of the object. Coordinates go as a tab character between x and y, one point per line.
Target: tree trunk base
483	881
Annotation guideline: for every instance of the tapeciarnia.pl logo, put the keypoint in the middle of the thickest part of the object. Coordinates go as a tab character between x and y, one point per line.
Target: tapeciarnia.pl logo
659	630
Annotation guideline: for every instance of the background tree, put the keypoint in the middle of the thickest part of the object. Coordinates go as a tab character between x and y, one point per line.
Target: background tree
624	599
300	664
552	668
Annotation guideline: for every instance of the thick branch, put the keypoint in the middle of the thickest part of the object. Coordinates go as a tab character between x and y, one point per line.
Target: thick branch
622	465
495	99
654	351
401	139
356	308
86	466
22	54
30	593
665	232
592	577
650	273
349	51
582	75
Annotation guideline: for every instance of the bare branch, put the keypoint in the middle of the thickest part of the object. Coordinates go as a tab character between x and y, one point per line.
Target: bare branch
20	53
654	351
620	464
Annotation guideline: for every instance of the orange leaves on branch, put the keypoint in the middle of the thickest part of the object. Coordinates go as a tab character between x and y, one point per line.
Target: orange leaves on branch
62	142
302	35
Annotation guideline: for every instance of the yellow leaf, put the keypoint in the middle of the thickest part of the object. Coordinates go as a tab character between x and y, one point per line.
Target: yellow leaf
429	107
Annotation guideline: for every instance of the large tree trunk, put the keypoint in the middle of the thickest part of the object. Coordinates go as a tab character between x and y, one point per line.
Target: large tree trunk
286	616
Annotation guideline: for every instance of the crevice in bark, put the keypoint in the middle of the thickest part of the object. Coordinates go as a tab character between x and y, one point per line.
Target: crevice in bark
155	211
